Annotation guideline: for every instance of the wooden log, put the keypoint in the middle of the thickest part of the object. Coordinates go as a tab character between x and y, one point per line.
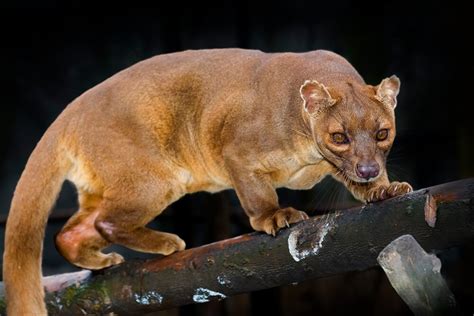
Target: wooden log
416	276
321	246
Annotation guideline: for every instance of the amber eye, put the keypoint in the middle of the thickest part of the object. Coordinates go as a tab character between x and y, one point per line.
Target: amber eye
340	138
382	135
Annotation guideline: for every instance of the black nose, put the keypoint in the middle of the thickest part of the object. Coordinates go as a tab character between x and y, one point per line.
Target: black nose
368	170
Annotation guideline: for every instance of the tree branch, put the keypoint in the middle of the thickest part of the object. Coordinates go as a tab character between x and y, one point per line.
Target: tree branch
342	241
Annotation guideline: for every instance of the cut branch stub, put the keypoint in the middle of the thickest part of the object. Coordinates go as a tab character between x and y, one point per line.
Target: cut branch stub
416	276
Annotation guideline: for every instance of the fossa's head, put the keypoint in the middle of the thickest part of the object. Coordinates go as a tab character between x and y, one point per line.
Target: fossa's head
353	125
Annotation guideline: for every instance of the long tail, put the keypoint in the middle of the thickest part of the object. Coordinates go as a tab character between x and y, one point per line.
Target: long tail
35	194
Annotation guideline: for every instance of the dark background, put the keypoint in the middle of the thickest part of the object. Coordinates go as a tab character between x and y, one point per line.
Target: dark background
50	56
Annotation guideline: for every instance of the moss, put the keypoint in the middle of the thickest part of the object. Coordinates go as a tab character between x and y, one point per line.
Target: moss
92	297
3	306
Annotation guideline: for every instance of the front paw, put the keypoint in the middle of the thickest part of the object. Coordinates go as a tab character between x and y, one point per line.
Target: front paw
383	192
272	222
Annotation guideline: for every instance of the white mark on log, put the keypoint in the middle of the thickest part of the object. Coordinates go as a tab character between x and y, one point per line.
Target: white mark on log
298	253
203	295
57	303
223	280
148	298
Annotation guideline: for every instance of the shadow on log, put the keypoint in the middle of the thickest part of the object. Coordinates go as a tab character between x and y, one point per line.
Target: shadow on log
342	241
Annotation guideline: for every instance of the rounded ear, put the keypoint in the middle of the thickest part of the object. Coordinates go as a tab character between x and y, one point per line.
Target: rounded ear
387	91
316	96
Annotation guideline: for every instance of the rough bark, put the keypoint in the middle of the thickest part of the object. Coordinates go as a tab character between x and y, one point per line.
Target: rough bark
342	241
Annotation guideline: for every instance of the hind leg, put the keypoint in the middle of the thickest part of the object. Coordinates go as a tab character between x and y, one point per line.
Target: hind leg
123	218
141	239
136	185
80	242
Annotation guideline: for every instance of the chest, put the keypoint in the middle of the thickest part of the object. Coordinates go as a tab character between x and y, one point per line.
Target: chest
300	174
307	176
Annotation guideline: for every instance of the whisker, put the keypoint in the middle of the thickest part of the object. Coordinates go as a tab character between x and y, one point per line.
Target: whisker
334	197
397	173
321	196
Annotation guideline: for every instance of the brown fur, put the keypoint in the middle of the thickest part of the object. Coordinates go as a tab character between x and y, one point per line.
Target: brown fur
193	121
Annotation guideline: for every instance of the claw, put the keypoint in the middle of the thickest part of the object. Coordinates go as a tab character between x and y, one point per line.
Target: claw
286	222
